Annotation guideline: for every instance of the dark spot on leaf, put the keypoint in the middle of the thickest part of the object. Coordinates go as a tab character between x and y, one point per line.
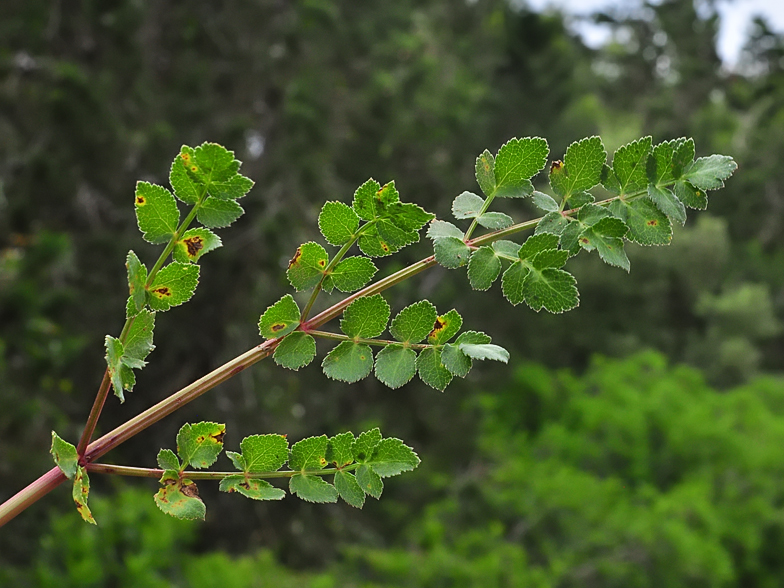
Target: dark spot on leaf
219	436
245	485
162	291
556	166
652	223
200	439
277	327
361	456
584	240
384	246
322	461
185	156
322	262
296	257
194	245
194	168
438	326
190	489
140	201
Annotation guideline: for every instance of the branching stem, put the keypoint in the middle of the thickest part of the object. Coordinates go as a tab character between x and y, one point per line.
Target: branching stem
100	468
376	342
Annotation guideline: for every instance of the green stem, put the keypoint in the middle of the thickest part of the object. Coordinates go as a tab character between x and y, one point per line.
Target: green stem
376	342
474	222
100	468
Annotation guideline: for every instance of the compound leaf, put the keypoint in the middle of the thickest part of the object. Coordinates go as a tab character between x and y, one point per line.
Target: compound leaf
280	319
296	350
313	489
194	243
483	268
349	489
173	285
516	163
366	317
156	212
348	362
467	205
414	322
64	455
395	365
393	457
199	444
338	223
307	266
431	371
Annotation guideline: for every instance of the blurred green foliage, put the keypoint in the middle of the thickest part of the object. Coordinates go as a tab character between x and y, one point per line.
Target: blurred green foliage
315	97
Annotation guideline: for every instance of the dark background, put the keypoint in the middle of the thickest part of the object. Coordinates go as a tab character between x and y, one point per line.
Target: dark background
635	441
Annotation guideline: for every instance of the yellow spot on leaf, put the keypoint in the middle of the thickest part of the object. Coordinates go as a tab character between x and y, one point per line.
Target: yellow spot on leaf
193	245
162	291
322	262
384	246
556	166
277	327
194	168
652	223
297	255
140	201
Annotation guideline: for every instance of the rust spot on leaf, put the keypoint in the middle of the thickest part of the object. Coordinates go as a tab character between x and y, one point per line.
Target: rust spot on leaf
140	201
384	246
194	168
189	489
200	439
438	326
219	436
584	240
186	157
652	223
322	461
277	327
322	262
162	291
194	245
297	255
556	166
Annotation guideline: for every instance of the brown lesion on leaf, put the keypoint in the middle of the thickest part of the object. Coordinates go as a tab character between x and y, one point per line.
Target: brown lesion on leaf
277	327
557	165
652	223
218	437
162	291
140	201
322	263
438	326
584	240
189	489
186	157
194	168
297	255
322	461
384	246
193	245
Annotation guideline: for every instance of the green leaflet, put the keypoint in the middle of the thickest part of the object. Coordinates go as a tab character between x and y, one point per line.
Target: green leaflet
483	268
484	351
393	457
606	237
121	376
263	453
351	274
184	183
369	198
363	446
647	224
296	350
467	205
630	166
216	214
308	454
581	169
709	173
544	201
365	317
138	341
451	252
339	449
507	249
167	460
369	481
179	497
516	163
65	456
80	492
199	444
348	489
552	289
495	220
512	282
156	212
439	229
280	319
348	362
667	202
137	279
446	326
307	266
313	489
395	365
414	323
454	360
174	285
431	371
485	172
691	196
251	488
209	169
457	357
194	243
553	223
536	244
338	223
